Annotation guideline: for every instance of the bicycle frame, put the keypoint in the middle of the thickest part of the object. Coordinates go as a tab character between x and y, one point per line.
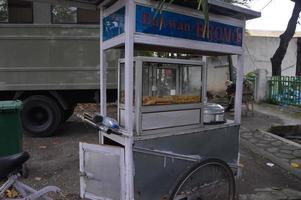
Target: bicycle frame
25	191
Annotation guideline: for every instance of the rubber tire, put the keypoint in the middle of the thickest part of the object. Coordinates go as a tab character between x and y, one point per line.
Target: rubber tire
198	166
50	109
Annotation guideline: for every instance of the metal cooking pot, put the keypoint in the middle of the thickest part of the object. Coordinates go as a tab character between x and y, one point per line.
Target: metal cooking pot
214	113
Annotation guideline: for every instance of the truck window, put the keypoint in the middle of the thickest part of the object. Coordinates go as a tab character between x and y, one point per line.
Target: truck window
64	15
85	16
72	15
3	11
16	11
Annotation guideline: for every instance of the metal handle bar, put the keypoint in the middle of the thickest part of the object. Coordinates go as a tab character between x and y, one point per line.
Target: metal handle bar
89	120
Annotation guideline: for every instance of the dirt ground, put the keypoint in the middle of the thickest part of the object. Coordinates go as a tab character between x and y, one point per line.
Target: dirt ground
55	160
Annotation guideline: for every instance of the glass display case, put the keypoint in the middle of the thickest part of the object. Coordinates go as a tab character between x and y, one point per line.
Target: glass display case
168	93
169	83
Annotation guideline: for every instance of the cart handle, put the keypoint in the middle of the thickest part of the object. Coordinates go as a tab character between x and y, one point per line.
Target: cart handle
96	122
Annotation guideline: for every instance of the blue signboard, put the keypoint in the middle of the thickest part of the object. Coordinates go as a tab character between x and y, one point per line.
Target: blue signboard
113	25
182	26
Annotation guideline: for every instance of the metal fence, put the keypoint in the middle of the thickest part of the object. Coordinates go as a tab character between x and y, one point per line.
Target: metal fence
285	90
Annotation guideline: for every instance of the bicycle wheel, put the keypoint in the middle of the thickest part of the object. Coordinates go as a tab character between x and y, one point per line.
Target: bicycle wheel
212	179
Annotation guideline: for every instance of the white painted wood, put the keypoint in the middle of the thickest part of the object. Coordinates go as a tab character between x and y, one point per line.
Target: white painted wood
129	76
204	87
123	116
204	77
239	83
165	60
138	94
172	107
107	151
165	41
103	70
170	119
113	8
114	42
239	88
81	169
102	74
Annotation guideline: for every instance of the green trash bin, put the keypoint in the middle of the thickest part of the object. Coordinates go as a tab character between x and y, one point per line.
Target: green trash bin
10	128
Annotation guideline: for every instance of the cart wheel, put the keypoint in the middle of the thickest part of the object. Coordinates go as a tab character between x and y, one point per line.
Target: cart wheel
24	171
212	179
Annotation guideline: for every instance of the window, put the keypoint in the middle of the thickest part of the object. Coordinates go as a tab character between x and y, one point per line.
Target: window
72	15
3	11
64	15
87	16
166	83
16	11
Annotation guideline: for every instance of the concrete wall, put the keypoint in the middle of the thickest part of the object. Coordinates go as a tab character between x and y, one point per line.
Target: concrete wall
217	74
258	51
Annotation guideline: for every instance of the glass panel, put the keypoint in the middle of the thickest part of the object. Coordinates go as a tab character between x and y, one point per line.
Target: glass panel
3	11
146	83
171	83
122	84
20	11
166	82
85	16
64	15
16	11
191	83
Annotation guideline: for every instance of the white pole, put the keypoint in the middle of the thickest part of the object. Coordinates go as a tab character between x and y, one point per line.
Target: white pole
103	74
129	53
239	88
103	70
239	81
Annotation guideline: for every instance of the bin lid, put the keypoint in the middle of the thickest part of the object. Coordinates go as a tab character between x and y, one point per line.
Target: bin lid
10	106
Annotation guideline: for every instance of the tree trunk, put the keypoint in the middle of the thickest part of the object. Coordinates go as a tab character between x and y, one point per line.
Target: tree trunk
285	38
298	65
231	78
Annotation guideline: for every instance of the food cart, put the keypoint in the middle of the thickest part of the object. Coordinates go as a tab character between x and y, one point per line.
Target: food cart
164	150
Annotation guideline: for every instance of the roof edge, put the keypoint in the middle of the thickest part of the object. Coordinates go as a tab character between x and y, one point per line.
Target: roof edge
249	14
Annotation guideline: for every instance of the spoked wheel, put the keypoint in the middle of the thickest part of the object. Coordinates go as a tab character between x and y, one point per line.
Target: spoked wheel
211	179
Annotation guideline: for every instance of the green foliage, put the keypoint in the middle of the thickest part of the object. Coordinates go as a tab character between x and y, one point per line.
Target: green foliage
3	11
251	75
64	14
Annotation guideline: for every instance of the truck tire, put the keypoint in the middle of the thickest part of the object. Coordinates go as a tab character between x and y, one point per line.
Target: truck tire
41	116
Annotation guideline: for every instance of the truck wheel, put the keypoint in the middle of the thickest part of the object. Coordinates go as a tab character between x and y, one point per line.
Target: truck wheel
41	116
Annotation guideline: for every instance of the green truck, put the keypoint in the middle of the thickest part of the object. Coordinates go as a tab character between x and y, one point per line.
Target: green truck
49	59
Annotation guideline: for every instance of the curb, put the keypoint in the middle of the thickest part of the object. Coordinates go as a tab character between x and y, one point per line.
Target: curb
284	165
297	145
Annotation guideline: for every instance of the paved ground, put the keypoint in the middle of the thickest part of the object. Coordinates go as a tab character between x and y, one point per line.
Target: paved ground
55	162
261	182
